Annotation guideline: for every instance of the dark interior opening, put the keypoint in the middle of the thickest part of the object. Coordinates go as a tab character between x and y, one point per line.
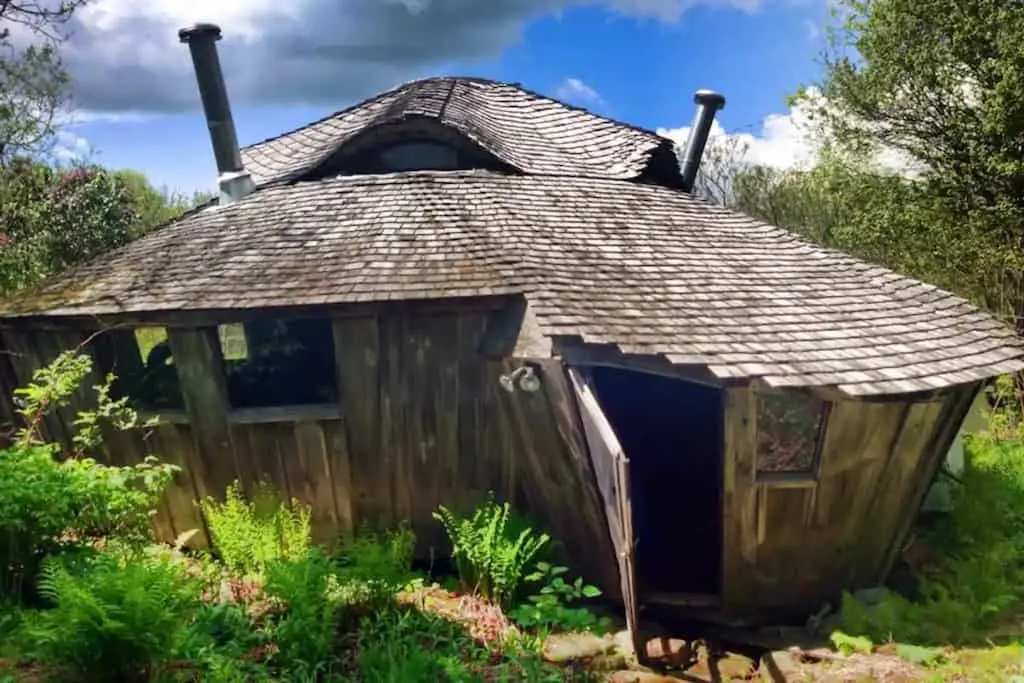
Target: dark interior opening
672	432
273	363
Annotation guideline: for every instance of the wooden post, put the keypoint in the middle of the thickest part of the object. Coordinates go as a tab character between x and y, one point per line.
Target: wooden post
739	503
197	359
357	361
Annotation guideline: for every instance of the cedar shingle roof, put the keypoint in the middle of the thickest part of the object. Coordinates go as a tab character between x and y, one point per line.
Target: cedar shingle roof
532	133
648	268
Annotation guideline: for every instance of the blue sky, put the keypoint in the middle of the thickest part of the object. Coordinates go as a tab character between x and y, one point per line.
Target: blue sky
640	66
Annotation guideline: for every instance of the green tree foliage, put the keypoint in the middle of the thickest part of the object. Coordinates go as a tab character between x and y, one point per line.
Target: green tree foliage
891	220
33	83
54	218
156	207
943	84
942	81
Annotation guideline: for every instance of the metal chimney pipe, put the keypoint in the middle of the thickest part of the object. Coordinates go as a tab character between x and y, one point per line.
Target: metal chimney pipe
202	43
708	103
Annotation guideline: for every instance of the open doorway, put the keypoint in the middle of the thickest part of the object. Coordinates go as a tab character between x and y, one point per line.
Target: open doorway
672	432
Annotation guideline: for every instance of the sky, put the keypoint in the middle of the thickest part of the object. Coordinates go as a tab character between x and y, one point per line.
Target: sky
136	104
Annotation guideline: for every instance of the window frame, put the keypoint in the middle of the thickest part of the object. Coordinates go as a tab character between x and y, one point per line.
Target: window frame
791	478
109	356
380	160
282	412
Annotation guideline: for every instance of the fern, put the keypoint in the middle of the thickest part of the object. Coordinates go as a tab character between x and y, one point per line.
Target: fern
306	635
249	535
115	619
489	557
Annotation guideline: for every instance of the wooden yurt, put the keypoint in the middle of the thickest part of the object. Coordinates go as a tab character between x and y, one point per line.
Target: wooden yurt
459	286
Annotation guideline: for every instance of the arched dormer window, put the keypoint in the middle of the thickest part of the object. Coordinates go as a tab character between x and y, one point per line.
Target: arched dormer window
418	155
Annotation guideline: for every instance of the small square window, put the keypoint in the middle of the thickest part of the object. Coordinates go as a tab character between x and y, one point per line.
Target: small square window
142	362
276	363
233	345
790	428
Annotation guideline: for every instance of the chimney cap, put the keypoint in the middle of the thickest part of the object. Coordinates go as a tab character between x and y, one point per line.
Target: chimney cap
202	30
709	98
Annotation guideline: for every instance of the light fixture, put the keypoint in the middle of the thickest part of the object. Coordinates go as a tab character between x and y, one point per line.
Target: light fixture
528	380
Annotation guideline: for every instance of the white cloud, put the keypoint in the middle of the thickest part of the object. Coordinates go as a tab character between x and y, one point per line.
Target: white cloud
124	55
673	10
814	30
68	146
577	92
786	141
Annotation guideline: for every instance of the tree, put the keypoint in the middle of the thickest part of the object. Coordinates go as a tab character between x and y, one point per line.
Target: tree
33	82
156	207
721	164
888	219
943	82
55	218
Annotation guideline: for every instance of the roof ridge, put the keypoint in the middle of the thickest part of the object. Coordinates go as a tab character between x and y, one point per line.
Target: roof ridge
454	81
327	117
572	107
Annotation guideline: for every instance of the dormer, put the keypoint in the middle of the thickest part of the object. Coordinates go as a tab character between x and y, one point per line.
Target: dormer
416	143
449	123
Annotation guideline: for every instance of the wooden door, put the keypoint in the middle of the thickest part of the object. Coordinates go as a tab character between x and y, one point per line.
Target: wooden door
611	467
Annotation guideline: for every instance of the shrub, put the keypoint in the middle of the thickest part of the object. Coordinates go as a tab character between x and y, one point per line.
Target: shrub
116	618
305	635
551	608
249	535
375	565
489	556
47	505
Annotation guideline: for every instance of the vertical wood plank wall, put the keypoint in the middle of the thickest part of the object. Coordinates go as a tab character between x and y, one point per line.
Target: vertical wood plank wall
421	421
790	548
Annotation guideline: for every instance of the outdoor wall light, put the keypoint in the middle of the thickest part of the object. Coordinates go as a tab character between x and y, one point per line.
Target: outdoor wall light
528	380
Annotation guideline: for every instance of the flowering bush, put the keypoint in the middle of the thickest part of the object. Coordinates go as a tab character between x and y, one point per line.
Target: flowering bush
55	218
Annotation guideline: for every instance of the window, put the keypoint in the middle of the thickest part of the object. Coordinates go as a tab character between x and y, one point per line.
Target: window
142	362
790	427
279	363
419	155
232	342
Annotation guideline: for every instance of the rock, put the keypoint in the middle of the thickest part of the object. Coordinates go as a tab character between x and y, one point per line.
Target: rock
563	648
780	666
640	677
670	651
623	643
734	666
726	667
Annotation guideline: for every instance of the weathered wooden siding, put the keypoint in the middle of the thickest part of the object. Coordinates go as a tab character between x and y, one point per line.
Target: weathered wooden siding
9	420
421	421
790	546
